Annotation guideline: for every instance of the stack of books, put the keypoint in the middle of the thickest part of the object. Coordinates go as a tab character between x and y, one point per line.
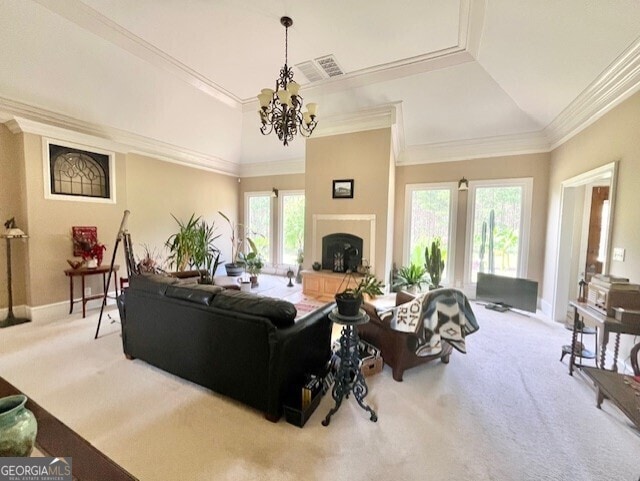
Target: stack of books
310	389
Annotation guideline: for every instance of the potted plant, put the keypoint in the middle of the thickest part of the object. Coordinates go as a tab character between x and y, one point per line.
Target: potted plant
299	260
206	256
434	263
410	278
253	262
181	244
91	252
350	299
193	247
235	267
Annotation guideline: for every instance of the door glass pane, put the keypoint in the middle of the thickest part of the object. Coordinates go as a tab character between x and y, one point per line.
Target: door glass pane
292	234
430	217
496	231
259	223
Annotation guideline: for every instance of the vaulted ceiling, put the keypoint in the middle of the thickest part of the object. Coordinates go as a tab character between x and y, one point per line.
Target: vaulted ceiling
454	78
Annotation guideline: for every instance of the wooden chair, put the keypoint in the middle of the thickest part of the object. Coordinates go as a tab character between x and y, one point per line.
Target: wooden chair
635	353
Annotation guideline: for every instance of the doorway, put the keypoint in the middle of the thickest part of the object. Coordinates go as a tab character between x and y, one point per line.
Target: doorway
585	232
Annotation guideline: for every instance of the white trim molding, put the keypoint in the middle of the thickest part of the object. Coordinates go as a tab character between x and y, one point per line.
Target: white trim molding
58	126
516	144
279	167
616	83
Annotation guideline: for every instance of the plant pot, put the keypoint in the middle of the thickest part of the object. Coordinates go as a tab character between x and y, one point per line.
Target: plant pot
316	266
234	270
348	305
254	280
18	427
92	263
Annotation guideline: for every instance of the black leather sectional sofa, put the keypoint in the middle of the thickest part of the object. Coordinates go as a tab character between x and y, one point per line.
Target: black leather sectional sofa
239	344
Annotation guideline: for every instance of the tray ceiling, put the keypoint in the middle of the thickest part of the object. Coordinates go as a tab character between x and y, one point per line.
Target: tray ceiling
183	74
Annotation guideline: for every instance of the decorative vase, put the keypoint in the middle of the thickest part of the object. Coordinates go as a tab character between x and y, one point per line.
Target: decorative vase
316	266
92	263
18	427
234	270
254	280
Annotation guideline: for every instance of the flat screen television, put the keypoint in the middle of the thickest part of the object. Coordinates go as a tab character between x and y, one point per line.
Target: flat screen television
507	292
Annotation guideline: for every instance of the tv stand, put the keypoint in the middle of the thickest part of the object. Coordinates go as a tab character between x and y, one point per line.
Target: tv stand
499	307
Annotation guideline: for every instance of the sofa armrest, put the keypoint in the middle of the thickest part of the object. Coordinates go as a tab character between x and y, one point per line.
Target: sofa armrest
300	349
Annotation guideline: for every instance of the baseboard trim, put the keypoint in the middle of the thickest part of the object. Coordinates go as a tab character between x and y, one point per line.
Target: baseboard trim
59	310
545	307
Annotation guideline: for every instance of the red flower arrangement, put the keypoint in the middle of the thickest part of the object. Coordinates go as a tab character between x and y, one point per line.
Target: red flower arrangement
91	249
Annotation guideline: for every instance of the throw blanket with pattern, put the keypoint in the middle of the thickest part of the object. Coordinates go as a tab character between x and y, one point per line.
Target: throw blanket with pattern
439	315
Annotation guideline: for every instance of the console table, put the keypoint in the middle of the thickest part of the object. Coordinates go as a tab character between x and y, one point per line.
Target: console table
606	325
612	386
323	285
349	378
83	272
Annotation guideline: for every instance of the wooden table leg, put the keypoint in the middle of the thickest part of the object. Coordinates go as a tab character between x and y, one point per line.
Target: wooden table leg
616	349
104	288
84	302
603	346
574	339
70	294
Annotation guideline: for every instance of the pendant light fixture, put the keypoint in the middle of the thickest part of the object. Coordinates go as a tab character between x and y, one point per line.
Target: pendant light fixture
281	109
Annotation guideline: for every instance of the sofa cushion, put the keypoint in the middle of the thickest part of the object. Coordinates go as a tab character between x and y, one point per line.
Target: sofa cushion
197	293
152	283
280	313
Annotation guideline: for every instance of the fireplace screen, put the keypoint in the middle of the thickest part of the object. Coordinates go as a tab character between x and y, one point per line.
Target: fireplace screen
341	252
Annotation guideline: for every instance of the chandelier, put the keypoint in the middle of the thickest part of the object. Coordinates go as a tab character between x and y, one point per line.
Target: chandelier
281	109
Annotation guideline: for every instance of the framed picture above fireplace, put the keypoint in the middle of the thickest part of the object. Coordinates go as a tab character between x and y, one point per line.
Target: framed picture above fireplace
343	189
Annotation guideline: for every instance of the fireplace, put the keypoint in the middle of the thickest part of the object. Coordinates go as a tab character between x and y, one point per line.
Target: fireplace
341	252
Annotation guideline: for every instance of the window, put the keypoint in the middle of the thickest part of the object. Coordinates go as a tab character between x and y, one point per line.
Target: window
279	245
498	228
258	221
291	226
430	213
74	173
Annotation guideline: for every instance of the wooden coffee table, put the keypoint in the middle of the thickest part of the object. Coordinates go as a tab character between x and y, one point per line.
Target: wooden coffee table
612	386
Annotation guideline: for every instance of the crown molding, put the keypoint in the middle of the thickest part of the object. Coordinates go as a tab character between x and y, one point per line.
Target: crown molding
380	117
34	120
617	83
280	167
517	144
93	21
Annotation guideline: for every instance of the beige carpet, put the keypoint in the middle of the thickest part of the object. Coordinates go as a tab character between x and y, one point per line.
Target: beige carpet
507	410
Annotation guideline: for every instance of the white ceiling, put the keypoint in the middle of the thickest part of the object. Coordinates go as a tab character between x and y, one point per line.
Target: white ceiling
177	78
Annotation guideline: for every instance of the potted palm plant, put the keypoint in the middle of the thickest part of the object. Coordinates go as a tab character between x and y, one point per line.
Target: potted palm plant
235	267
350	299
193	246
410	278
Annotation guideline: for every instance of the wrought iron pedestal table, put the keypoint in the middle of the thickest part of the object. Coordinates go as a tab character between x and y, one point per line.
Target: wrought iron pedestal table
349	378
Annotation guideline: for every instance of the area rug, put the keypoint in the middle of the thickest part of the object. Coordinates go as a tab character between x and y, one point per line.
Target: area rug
307	305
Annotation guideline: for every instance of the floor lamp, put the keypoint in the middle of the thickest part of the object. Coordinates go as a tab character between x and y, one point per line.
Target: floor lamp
11	320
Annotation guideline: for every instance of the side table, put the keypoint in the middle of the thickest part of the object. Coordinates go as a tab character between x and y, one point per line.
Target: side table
349	378
83	272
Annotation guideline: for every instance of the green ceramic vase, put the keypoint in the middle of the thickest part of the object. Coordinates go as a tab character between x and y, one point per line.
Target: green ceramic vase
18	427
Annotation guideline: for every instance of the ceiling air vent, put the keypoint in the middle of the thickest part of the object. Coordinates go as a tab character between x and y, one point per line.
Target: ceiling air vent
310	71
329	65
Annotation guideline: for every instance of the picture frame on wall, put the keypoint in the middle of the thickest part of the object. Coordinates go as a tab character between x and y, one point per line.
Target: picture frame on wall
343	189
